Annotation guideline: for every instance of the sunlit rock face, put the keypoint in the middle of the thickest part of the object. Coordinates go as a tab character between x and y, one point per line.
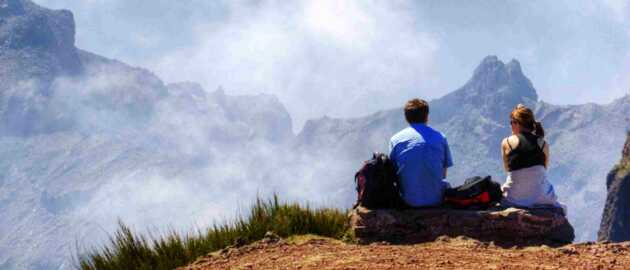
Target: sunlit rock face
615	226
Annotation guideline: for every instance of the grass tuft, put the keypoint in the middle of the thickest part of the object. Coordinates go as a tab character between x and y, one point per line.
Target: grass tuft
623	169
128	250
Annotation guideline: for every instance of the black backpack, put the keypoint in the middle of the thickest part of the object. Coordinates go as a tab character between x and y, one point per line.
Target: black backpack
475	193
377	183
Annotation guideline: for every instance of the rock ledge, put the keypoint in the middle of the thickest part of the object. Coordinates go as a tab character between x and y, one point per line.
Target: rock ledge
507	227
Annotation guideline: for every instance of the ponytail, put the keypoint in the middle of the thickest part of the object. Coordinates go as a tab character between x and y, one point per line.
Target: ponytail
539	130
525	118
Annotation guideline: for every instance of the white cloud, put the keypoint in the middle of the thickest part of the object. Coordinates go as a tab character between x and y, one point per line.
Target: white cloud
320	58
620	10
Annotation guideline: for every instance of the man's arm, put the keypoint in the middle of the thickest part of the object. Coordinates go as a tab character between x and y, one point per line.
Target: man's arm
391	151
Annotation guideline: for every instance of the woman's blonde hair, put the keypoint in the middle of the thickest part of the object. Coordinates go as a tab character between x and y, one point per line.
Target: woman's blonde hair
525	117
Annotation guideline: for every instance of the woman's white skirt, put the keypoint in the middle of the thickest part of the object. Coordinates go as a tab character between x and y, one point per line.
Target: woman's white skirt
529	187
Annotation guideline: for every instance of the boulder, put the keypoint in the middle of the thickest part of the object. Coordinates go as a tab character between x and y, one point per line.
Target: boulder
508	227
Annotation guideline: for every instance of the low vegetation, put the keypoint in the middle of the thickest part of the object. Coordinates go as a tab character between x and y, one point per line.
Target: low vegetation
623	169
128	250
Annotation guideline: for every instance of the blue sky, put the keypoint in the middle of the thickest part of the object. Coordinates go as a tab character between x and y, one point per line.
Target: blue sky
347	58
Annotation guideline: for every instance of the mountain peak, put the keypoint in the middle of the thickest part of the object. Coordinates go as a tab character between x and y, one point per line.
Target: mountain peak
514	68
26	27
493	76
493	71
489	61
494	89
25	24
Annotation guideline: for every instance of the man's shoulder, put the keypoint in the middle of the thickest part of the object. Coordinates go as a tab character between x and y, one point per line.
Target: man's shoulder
403	134
437	133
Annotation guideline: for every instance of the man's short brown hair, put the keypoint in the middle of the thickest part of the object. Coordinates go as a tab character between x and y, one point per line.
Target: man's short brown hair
417	111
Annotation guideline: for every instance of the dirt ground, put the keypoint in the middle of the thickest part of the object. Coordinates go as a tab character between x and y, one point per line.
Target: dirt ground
310	252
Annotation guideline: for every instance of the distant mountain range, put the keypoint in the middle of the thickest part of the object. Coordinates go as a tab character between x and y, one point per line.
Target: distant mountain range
85	140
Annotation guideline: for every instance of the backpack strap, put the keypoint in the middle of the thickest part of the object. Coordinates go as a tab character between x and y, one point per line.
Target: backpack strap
542	143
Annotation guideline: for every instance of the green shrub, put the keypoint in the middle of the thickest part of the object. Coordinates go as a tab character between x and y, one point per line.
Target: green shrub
128	250
623	169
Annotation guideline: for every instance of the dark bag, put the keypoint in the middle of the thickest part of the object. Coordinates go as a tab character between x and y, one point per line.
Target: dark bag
475	193
377	183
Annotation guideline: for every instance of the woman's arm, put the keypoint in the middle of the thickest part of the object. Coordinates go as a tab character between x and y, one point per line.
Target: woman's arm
504	152
507	145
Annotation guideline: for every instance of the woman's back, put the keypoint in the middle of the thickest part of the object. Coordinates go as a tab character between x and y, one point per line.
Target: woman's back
527	153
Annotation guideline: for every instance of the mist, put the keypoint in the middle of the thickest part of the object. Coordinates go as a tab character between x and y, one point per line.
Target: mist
363	56
156	157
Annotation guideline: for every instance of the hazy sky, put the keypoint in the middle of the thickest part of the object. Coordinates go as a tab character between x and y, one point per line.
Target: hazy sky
351	58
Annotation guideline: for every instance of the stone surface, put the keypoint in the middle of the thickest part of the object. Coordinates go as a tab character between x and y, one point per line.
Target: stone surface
504	227
615	225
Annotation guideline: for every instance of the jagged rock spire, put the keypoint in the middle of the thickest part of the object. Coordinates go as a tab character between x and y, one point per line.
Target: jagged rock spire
493	75
493	91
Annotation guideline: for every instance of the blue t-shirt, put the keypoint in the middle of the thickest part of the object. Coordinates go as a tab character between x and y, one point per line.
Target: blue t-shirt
421	154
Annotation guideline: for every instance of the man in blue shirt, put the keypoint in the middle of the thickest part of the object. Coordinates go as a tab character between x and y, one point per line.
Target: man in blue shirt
422	156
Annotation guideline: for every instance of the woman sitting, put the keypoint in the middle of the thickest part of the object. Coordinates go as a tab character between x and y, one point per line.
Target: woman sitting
526	158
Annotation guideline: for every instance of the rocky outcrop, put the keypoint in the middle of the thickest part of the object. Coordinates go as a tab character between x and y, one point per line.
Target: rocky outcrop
36	45
615	225
39	41
48	85
504	227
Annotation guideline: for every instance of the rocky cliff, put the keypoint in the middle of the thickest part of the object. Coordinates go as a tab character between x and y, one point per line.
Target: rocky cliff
615	225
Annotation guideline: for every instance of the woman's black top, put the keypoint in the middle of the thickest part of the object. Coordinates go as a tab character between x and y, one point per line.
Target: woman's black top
528	153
